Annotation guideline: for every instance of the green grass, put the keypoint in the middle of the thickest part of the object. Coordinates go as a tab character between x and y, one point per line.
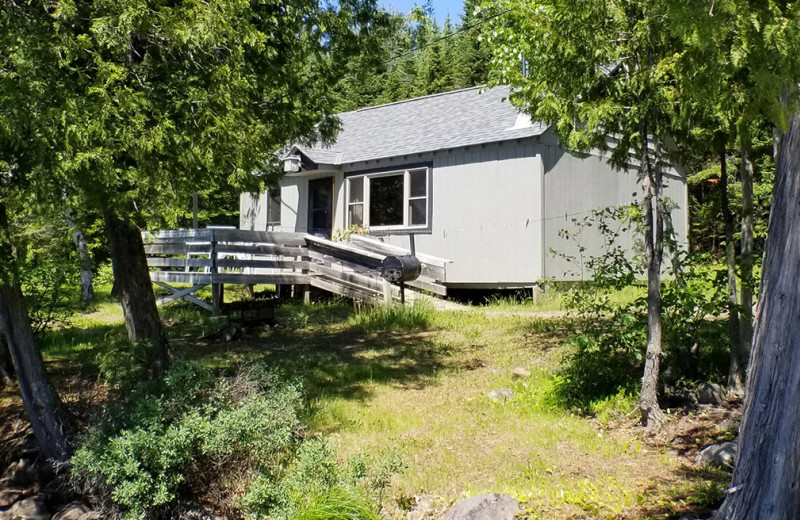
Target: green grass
554	298
551	300
412	382
341	503
416	316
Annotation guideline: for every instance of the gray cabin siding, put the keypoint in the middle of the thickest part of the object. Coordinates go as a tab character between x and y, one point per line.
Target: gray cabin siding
294	204
496	209
577	184
486	202
253	211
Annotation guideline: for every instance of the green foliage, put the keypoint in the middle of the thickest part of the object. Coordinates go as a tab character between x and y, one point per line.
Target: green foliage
50	284
695	333
341	503
342	235
48	267
317	486
417	316
157	435
609	342
130	110
123	363
413	63
707	230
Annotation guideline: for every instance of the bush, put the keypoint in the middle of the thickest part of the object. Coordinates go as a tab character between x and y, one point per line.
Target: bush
609	344
51	285
161	434
191	433
696	340
417	316
317	486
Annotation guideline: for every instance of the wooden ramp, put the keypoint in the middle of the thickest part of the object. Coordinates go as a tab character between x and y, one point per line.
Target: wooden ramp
197	258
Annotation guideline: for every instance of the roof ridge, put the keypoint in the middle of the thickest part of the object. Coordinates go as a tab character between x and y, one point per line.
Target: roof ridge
417	98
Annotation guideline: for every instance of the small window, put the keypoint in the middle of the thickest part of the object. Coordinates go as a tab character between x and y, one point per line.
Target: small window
355	202
390	200
274	207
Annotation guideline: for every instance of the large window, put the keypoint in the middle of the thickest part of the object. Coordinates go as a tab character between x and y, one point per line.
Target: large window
390	200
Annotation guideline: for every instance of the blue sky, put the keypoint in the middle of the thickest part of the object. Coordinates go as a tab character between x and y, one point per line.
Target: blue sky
441	8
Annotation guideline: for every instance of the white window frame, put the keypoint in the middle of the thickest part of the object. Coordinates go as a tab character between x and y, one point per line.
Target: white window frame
407	198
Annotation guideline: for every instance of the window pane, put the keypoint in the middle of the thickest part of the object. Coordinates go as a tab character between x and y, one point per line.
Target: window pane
357	190
418	211
386	201
274	211
418	183
356	215
320	219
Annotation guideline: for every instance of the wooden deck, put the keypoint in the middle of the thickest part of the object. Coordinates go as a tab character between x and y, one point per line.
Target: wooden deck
216	257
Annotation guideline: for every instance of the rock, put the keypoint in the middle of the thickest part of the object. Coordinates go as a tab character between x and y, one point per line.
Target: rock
678	397
500	395
422	510
76	511
495	506
12	494
231	332
19	474
710	393
721	455
520	372
33	508
729	426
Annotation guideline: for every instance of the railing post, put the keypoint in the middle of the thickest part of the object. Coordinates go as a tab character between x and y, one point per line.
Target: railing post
217	293
387	292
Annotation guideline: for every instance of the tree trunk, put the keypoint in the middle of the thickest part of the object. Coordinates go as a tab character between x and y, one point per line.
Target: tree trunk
134	290
87	287
652	416
746	322
735	372
40	399
766	481
6	365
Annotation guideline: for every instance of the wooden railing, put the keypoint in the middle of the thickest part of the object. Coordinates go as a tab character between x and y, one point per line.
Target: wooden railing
217	257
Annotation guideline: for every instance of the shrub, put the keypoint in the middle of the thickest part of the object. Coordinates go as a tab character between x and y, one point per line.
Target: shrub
51	284
318	486
417	316
160	434
611	336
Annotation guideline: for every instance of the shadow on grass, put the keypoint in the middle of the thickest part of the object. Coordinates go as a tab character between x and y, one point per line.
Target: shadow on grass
76	349
342	363
699	499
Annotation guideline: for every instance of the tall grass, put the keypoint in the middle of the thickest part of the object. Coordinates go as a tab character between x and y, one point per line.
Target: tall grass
417	316
339	503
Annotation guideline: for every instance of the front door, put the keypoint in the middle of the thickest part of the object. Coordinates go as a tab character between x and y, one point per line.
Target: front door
320	207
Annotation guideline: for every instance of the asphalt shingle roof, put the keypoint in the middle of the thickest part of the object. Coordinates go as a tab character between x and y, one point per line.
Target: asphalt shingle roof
438	122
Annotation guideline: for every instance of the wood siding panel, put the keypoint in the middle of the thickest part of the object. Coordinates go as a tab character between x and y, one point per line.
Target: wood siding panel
253	211
482	200
576	184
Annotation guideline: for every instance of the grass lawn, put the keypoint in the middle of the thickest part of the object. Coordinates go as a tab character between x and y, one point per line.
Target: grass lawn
419	396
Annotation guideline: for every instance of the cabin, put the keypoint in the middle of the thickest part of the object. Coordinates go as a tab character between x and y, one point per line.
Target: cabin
461	176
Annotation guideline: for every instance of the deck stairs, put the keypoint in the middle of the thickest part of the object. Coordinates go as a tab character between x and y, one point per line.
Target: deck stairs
185	261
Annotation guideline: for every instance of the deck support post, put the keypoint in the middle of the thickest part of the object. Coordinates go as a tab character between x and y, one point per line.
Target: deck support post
217	297
307	287
217	289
